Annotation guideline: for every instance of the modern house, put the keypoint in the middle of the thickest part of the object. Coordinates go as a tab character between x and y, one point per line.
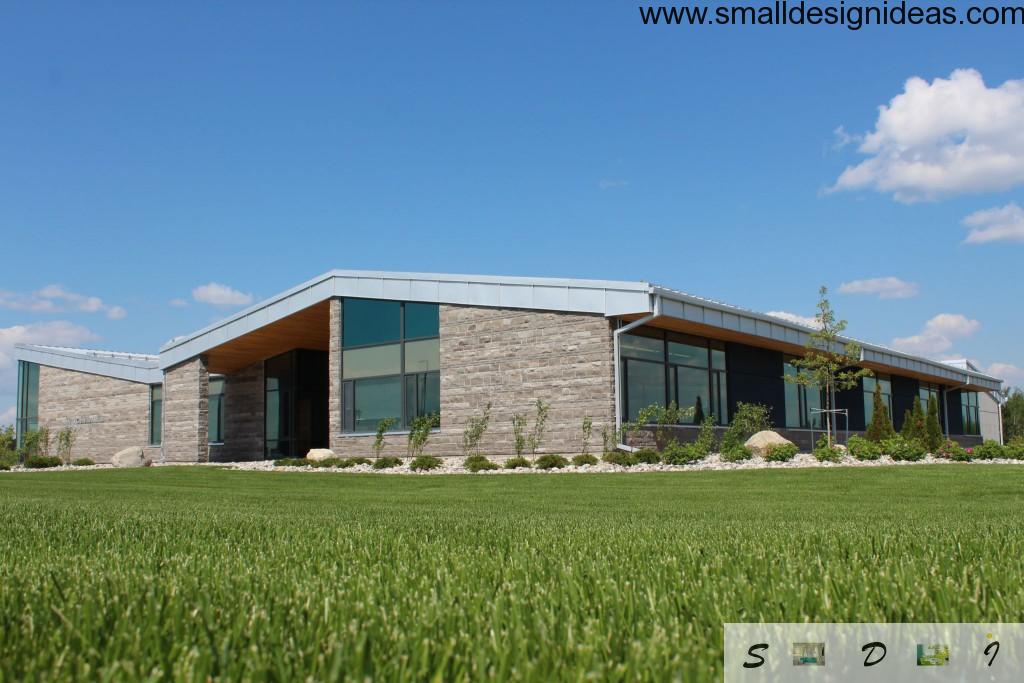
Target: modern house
320	365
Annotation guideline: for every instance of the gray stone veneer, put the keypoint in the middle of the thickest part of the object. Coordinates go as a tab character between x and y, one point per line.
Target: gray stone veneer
186	397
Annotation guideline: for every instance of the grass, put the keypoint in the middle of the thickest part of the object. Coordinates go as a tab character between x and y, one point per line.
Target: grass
190	573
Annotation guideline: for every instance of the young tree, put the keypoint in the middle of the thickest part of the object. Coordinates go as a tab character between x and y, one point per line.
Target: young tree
881	427
1013	414
828	363
932	426
913	428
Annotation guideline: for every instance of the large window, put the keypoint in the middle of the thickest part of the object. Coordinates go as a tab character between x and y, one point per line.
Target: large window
215	430
869	396
156	414
27	418
391	362
802	402
659	368
969	410
926	391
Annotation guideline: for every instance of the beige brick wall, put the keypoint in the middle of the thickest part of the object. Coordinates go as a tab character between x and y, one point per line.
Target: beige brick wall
107	414
186	403
334	379
243	416
511	358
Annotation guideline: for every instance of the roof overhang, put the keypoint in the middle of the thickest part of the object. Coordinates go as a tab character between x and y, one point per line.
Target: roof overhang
605	297
141	368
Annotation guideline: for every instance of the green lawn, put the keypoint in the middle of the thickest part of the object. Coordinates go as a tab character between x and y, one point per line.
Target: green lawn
189	573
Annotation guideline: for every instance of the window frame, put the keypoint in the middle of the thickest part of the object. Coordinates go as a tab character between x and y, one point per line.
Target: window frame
156	440
804	415
970	407
221	401
869	397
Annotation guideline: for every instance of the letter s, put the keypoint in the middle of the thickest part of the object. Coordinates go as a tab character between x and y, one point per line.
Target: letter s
751	653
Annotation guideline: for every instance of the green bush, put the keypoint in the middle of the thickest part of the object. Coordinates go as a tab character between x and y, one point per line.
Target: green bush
899	448
517	462
1015	449
951	450
676	453
359	460
550	462
478	463
422	463
620	458
864	449
780	452
705	442
331	462
584	459
4	467
38	462
750	418
293	462
989	450
83	462
647	456
736	453
881	427
826	453
386	463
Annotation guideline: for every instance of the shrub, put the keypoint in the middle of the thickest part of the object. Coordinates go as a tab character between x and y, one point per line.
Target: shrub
518	433
516	462
914	425
588	430
664	418
65	440
332	462
359	460
705	442
1015	449
293	462
989	450
584	459
736	453
881	427
750	418
422	463
647	456
386	463
4	467
419	433
899	448
826	453
620	458
676	453
478	463
382	427
550	462
951	450
474	432
864	449
932	429
38	462
536	438
83	462
780	452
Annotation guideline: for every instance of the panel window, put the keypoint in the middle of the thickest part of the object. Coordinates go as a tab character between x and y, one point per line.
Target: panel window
645	385
645	348
215	427
393	372
801	402
691	352
925	392
279	379
969	410
869	396
27	417
693	394
156	414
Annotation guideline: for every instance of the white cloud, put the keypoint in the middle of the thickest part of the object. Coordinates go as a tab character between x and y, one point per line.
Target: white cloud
220	295
938	334
7	417
806	321
177	303
947	137
54	333
843	138
883	287
1010	374
993	225
57	299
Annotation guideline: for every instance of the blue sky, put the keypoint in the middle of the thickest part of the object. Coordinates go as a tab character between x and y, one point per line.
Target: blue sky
147	151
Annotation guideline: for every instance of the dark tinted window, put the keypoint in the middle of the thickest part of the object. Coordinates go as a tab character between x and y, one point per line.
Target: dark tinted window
370	322
421	320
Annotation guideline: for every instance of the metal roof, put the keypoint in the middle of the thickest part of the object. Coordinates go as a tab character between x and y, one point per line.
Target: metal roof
133	367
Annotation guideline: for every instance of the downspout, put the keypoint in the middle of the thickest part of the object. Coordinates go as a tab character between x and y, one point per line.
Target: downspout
618	367
999	413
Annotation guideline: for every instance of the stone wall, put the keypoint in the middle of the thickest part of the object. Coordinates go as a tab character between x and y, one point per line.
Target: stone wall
243	416
334	437
186	419
107	414
511	358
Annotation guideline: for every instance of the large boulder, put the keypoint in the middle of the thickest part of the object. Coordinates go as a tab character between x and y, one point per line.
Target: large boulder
760	442
318	454
129	457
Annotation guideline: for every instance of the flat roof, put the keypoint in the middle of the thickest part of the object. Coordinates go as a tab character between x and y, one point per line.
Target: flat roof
133	367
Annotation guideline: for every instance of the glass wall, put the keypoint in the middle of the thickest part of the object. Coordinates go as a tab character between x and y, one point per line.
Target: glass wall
926	391
156	414
660	367
215	429
27	411
391	362
969	410
295	403
801	402
869	396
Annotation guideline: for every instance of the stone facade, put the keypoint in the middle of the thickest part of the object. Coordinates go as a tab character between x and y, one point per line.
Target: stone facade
511	358
334	436
243	416
186	418
106	414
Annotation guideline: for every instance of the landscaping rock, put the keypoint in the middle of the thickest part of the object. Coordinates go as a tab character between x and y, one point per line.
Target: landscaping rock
759	442
318	454
129	457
